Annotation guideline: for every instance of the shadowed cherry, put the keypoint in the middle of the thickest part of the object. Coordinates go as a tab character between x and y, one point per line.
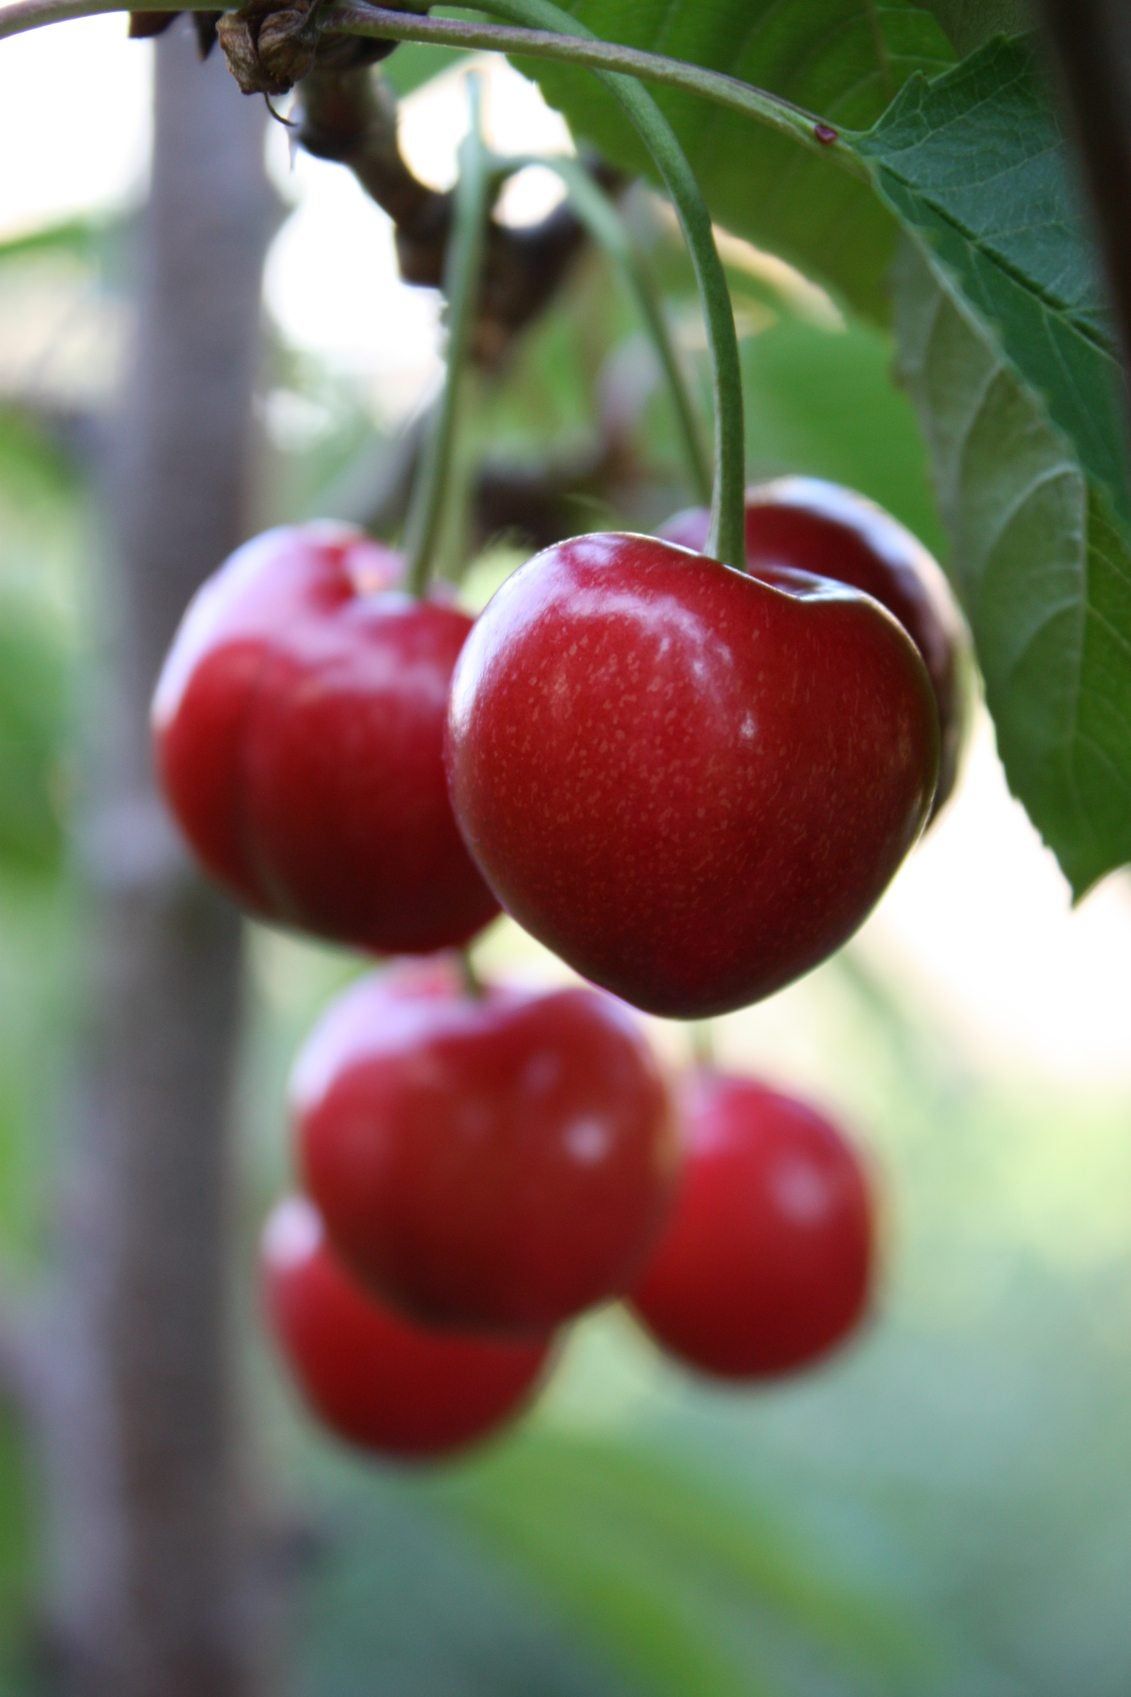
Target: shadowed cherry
298	729
766	1263
370	1375
803	524
500	1162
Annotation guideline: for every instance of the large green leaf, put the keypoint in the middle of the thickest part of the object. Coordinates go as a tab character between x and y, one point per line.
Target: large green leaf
975	164
1043	573
843	59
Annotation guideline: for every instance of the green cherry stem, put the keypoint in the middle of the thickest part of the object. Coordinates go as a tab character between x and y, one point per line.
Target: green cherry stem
463	269
607	228
702	1036
544	30
473	985
727	539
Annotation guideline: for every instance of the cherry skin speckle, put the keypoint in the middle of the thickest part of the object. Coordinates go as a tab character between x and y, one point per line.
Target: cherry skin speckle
690	785
804	524
499	1162
298	732
767	1262
377	1381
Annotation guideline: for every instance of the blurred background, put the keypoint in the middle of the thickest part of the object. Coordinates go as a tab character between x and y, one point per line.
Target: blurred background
943	1508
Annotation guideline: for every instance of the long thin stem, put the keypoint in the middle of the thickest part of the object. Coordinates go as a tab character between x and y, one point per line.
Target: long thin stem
726	540
702	1035
462	274
608	231
472	985
545	30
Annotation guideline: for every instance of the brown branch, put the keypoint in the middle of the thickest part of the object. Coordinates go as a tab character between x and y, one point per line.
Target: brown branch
1091	43
351	117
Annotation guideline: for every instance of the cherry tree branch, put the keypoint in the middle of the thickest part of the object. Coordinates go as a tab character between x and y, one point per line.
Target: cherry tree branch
351	117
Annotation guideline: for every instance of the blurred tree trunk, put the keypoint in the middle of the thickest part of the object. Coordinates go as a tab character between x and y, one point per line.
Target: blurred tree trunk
153	1554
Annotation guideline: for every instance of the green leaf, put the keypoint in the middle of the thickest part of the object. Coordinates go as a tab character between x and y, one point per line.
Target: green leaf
1042	571
416	63
970	22
974	164
842	59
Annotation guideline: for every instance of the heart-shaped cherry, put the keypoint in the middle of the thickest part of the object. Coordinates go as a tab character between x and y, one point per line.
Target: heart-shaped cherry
803	524
298	726
766	1262
499	1162
692	786
370	1375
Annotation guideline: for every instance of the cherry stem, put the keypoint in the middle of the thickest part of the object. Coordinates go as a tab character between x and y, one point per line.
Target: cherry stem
726	539
702	1035
546	31
608	230
463	267
473	985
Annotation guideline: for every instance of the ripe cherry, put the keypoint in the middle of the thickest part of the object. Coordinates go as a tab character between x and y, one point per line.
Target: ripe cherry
497	1162
298	726
767	1260
370	1375
803	524
692	786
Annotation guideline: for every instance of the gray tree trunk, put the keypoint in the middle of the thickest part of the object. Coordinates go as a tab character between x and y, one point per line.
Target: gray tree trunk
153	1545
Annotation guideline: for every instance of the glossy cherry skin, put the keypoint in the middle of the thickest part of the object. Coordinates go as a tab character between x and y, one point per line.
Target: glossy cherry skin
498	1162
803	524
298	728
691	786
767	1261
371	1376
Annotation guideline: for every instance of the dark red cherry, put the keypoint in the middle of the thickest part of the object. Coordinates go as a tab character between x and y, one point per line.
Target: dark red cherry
497	1162
371	1376
766	1262
298	726
803	524
692	786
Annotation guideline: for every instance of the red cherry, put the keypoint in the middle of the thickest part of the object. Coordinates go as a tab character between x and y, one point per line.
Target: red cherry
766	1262
500	1162
691	786
371	1376
802	524
298	725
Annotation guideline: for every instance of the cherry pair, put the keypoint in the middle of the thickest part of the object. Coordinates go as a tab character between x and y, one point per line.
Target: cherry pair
692	783
486	1168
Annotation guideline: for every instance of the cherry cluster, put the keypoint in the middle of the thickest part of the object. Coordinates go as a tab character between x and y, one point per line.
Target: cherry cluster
693	783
